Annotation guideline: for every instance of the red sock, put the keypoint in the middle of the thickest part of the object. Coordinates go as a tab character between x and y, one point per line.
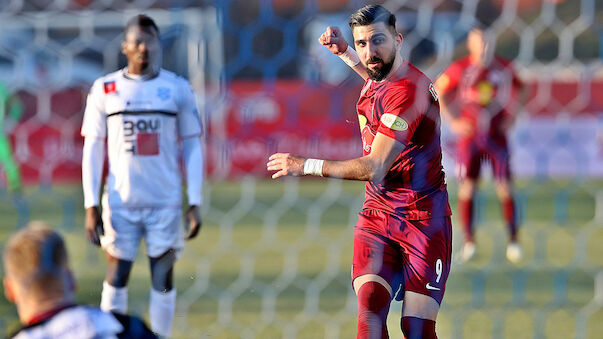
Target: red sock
417	328
508	209
465	208
373	306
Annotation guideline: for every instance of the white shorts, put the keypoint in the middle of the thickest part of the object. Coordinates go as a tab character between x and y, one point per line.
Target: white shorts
124	227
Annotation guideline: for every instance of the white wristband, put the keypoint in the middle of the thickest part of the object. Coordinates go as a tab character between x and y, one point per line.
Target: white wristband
313	167
350	57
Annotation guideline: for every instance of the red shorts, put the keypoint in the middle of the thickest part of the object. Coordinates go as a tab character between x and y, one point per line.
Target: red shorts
471	155
411	254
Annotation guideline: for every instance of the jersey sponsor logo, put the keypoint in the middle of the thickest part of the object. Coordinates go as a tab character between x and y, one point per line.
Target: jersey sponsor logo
110	87
394	122
138	103
147	143
163	93
142	135
429	287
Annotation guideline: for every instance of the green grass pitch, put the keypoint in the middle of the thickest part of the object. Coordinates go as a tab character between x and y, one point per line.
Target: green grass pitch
273	261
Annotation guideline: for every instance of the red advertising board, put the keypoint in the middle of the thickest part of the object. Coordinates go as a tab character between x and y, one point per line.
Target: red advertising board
259	118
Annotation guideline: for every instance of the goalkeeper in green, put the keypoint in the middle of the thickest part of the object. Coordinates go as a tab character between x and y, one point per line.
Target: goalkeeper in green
11	110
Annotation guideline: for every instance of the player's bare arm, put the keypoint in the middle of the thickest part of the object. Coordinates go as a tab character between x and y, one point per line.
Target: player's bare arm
333	39
372	167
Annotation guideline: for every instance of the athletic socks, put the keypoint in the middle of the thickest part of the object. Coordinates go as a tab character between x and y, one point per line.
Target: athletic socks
373	306
508	209
114	299
465	208
417	328
162	307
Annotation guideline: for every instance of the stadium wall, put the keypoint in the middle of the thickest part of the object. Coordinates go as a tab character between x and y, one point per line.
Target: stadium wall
320	119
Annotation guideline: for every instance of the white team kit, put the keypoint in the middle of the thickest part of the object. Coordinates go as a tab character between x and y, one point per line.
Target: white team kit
78	322
143	120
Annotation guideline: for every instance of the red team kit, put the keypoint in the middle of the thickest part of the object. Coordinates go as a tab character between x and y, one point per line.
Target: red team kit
409	211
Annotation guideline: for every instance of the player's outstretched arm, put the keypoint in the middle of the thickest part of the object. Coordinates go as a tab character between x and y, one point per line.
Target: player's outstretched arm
333	39
372	167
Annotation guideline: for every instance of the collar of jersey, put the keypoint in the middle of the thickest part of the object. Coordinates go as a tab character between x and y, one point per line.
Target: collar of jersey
394	75
44	316
145	77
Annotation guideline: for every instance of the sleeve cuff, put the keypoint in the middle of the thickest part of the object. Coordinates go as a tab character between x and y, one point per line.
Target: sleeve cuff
194	201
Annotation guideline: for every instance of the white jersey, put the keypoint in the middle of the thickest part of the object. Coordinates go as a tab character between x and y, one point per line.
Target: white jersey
79	322
143	121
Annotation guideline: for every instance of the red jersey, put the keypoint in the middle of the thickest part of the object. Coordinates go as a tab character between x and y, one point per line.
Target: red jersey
405	107
481	93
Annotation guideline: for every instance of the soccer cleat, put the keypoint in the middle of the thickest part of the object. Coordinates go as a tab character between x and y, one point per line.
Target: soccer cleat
514	252
468	252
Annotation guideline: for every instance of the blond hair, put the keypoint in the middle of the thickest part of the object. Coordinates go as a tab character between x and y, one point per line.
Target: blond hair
36	259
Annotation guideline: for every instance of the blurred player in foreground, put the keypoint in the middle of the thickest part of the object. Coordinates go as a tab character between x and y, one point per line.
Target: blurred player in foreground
141	112
478	95
11	110
39	281
403	235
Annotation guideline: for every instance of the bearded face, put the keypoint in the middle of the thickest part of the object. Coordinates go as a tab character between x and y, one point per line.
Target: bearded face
378	68
377	45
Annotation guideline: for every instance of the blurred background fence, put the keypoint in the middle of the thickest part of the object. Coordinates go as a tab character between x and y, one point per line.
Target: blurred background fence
273	259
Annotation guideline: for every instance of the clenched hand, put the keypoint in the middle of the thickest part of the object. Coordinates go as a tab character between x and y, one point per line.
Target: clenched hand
334	40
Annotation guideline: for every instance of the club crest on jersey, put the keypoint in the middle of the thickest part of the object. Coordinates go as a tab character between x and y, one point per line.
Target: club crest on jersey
394	122
163	93
110	87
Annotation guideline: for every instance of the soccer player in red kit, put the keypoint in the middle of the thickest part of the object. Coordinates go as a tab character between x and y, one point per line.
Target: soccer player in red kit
477	96
402	241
